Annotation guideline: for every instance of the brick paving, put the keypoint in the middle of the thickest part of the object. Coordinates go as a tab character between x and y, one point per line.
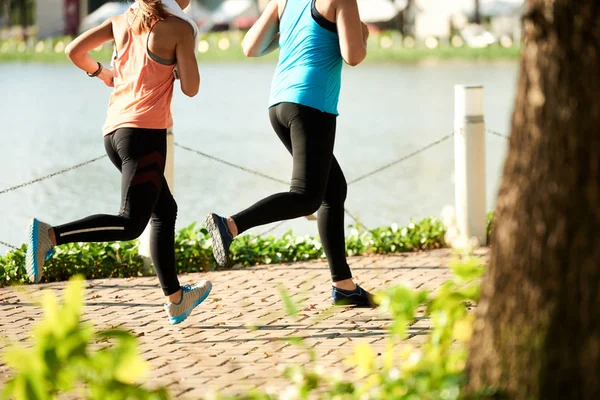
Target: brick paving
235	340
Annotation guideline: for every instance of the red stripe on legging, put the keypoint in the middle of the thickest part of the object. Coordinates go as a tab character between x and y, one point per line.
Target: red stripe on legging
150	176
154	157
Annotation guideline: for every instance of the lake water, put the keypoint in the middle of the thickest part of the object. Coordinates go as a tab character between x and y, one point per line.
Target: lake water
52	115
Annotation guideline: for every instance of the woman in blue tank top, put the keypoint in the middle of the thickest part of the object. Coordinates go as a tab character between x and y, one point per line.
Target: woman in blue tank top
314	37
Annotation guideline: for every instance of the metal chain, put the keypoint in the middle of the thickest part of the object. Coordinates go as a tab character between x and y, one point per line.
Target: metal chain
43	178
271	229
40	179
253	172
8	245
219	160
406	157
497	134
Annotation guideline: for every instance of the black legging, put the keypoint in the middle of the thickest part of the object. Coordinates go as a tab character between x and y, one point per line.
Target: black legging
140	156
317	182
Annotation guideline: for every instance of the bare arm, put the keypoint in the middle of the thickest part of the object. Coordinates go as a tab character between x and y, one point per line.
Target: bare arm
187	65
351	30
261	38
78	50
273	46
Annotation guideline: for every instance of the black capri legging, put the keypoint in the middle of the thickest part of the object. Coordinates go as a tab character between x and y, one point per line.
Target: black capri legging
140	156
317	182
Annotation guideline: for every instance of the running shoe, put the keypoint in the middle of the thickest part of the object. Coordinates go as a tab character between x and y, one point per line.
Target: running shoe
39	249
191	296
221	238
357	297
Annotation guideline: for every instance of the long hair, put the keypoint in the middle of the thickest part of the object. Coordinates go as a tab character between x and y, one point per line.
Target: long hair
151	11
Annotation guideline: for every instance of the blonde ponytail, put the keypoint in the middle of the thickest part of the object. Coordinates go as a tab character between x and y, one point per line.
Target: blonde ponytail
151	11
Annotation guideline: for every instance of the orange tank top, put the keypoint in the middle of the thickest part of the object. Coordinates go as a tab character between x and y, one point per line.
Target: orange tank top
143	89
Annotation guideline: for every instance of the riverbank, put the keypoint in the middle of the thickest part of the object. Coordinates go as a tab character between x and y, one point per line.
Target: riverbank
225	47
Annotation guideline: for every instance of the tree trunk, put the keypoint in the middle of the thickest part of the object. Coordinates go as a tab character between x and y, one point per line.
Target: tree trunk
537	333
477	13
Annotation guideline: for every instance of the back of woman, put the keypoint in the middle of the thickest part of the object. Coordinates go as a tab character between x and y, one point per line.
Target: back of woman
310	62
149	42
144	66
314	38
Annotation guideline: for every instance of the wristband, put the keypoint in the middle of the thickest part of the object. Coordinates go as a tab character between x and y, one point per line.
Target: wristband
95	74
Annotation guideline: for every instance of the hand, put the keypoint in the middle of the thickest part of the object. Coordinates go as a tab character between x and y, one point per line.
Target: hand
365	31
107	76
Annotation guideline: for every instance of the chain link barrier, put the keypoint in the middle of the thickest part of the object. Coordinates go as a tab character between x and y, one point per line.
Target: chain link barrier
248	170
43	178
404	158
10	246
230	164
253	172
491	132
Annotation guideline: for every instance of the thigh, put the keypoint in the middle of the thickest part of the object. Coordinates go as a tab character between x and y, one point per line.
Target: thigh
166	207
142	153
280	127
111	151
337	187
312	135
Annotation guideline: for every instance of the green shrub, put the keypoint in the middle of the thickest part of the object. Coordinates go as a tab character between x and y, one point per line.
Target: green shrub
61	360
193	252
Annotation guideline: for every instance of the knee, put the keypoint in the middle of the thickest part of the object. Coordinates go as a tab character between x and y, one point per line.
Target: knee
336	194
134	228
166	215
309	200
337	190
343	191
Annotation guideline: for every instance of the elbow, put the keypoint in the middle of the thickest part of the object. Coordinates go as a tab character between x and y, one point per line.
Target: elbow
69	51
249	50
73	52
190	92
355	58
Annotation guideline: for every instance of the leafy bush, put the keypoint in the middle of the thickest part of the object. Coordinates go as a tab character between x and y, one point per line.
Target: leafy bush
193	252
61	360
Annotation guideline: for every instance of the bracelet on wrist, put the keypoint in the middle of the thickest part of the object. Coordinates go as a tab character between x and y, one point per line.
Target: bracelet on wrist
95	74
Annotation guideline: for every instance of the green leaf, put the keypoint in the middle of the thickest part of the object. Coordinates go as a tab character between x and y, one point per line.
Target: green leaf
468	270
290	307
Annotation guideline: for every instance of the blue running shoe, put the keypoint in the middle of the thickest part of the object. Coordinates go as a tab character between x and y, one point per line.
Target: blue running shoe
357	297
221	238
191	296
39	249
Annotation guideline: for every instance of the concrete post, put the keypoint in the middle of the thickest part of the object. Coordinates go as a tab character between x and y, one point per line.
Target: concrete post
469	161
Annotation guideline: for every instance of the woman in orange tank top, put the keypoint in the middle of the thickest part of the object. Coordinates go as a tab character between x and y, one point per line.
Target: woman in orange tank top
149	44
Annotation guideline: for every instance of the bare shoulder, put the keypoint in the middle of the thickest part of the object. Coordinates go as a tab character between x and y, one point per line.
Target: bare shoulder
177	27
342	3
118	22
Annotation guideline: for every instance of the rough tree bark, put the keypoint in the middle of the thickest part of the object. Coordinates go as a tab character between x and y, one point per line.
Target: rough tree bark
537	333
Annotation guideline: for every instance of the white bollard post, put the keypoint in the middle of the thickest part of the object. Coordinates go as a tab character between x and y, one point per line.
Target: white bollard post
144	249
469	161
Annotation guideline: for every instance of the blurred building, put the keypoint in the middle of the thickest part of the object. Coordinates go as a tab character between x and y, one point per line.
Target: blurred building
62	17
418	18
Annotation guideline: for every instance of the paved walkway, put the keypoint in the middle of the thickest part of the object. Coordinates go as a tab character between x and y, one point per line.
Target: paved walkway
235	339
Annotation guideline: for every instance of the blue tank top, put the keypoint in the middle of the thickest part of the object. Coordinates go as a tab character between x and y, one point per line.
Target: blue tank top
309	71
